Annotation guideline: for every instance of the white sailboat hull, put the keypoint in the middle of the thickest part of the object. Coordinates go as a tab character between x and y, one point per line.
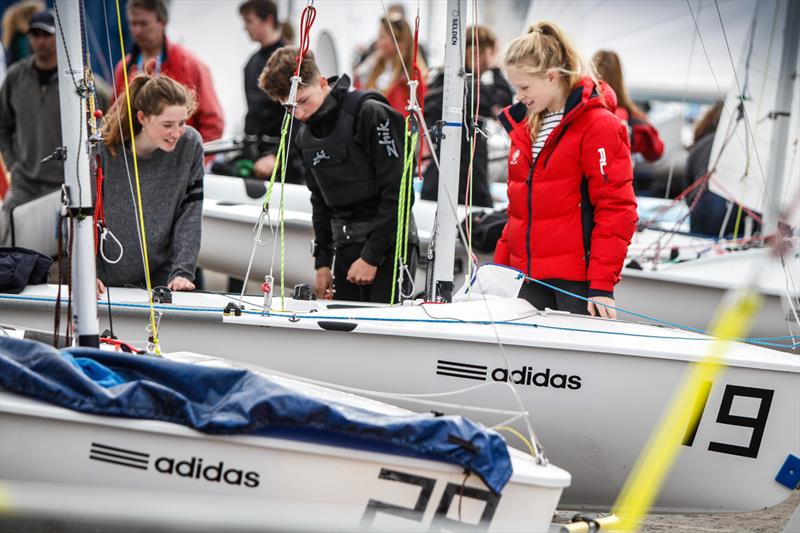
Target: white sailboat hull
152	472
593	419
688	293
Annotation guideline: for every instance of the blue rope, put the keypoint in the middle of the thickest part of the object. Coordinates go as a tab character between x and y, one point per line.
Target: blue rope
761	341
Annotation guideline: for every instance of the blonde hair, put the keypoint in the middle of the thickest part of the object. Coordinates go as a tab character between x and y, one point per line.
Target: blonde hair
396	25
150	95
545	48
17	18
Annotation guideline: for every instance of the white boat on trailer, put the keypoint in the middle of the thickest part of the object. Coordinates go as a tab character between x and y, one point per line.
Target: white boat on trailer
295	458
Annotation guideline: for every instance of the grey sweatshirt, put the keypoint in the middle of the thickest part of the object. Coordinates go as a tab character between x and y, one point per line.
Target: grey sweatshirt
30	129
172	201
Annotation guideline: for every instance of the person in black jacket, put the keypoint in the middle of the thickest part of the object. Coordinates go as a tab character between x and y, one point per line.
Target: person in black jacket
352	148
710	211
262	123
494	96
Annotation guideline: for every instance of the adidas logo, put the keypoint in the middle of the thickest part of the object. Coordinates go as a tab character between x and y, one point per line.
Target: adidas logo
523	376
119	456
192	468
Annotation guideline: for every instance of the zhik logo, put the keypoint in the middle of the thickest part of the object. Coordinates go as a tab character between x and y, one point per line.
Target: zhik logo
192	468
515	157
523	376
319	157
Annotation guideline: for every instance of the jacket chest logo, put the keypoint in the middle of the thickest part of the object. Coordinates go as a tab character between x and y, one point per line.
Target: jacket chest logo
515	157
319	157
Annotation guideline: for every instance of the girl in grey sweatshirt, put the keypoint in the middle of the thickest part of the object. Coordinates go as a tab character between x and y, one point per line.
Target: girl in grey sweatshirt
170	163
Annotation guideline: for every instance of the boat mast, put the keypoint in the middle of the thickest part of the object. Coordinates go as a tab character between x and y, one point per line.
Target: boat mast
450	155
73	94
781	115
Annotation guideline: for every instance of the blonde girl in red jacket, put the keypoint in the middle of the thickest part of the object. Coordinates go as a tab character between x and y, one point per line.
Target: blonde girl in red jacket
572	209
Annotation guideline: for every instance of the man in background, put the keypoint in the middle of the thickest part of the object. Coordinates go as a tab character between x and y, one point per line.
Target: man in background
30	120
148	21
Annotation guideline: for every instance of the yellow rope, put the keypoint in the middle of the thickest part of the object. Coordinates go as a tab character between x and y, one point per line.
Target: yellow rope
153	325
653	465
520	436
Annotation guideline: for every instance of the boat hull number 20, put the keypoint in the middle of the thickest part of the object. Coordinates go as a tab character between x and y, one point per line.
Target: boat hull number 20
451	495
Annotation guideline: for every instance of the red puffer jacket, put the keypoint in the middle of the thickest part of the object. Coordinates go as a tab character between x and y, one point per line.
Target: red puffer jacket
572	214
644	137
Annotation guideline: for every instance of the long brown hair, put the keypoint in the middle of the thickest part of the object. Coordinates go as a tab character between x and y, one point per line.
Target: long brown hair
398	26
608	68
545	47
709	121
150	95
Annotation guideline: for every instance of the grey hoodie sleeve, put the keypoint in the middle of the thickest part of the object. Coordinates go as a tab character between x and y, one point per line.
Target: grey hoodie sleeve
186	229
7	123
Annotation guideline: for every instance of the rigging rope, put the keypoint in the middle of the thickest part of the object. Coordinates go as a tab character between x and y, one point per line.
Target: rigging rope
400	270
476	100
307	18
404	200
153	325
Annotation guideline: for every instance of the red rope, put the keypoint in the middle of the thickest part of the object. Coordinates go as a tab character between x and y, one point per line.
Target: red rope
476	88
121	345
99	212
416	74
306	21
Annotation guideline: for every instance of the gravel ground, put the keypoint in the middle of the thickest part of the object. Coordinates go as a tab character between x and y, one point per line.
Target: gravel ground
772	520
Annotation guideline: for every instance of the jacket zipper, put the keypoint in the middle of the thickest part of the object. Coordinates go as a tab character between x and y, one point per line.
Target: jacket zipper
530	193
530	216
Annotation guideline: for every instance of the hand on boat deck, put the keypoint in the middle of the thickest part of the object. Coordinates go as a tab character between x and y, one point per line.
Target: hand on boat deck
601	310
101	288
264	165
323	284
361	272
180	283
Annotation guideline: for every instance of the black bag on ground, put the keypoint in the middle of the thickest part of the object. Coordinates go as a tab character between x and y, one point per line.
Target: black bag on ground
487	227
20	267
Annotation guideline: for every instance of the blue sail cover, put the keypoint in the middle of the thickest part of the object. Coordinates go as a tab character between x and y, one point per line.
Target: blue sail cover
231	401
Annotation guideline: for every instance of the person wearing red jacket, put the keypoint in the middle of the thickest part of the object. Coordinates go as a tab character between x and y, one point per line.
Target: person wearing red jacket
383	69
644	137
148	21
572	210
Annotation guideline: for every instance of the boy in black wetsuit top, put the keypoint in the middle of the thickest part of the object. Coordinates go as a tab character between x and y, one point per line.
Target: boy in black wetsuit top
352	148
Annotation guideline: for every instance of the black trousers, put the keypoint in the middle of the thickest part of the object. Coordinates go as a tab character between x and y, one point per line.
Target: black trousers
380	291
540	296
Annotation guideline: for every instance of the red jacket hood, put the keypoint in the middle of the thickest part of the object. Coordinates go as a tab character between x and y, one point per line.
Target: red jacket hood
588	93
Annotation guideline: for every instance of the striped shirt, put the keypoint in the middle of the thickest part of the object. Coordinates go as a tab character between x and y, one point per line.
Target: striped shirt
549	123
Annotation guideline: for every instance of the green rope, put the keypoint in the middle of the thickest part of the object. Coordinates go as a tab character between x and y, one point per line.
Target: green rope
280	163
404	204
